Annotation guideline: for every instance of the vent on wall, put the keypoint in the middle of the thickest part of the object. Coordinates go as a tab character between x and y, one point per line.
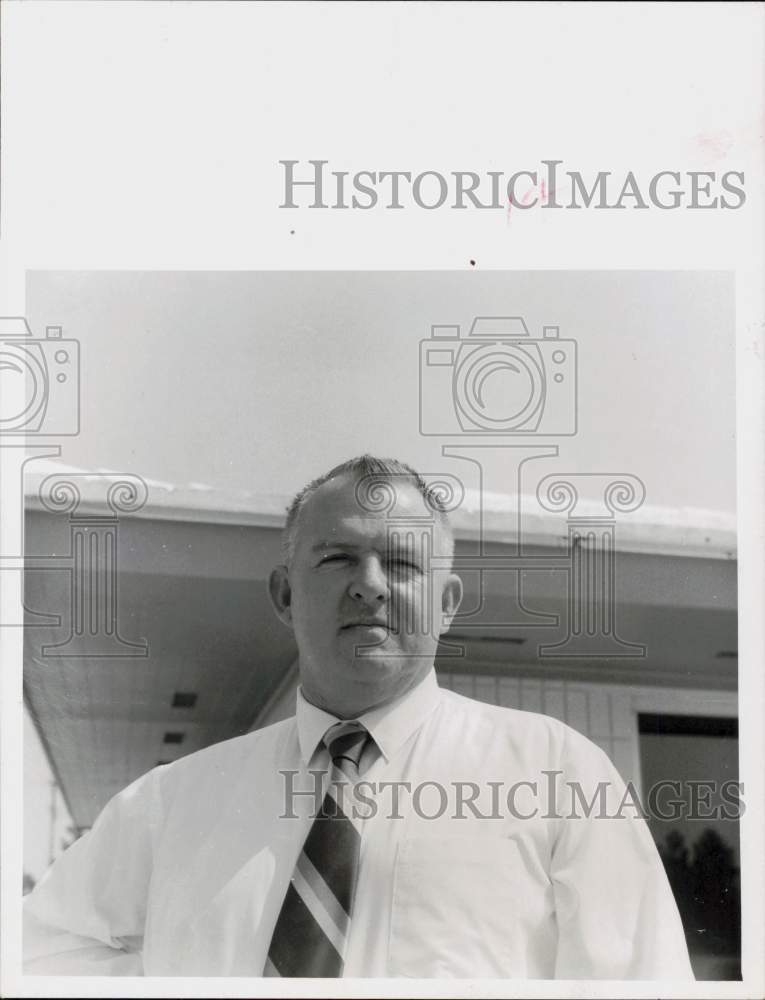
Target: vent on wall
174	737
686	725
727	654
184	699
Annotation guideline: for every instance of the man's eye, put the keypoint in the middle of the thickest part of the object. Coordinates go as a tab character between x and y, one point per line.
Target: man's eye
404	566
337	557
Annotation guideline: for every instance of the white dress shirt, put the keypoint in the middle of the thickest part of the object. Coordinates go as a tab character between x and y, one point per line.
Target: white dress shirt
184	872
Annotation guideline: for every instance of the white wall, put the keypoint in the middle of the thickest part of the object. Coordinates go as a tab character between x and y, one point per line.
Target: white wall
605	713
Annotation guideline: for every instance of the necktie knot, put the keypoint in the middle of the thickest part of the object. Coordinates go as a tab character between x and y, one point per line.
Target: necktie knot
346	742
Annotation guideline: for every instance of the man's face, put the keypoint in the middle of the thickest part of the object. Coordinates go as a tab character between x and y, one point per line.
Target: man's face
366	608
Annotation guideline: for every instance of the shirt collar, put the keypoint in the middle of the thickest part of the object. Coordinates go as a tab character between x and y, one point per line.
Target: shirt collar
390	725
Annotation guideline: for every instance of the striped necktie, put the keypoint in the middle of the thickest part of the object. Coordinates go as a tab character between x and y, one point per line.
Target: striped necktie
312	929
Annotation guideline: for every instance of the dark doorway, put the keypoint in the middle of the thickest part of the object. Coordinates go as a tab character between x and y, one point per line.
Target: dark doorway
690	772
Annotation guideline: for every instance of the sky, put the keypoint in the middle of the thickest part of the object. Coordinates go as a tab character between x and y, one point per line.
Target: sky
260	381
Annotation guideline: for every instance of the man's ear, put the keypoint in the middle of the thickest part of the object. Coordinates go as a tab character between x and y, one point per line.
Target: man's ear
451	598
280	592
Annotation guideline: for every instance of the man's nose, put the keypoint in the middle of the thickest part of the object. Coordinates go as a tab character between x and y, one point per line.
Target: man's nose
370	583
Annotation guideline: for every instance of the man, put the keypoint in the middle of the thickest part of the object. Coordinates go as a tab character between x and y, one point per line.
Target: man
389	828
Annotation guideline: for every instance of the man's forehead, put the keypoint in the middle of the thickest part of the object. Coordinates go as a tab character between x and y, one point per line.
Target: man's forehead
361	501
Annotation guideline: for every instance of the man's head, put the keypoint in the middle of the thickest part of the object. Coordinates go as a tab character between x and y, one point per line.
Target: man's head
358	587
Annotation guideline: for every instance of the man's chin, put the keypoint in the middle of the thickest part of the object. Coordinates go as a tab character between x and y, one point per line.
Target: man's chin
375	661
381	658
356	683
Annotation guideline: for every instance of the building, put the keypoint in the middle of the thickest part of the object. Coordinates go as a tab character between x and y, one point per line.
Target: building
196	655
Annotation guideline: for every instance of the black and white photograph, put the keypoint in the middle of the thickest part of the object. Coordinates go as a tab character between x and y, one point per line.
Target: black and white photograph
379	584
506	518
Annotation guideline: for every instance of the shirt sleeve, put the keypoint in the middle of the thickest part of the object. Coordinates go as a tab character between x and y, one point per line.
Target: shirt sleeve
86	915
617	917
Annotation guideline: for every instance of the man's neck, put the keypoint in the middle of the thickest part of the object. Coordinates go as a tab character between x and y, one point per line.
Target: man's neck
354	710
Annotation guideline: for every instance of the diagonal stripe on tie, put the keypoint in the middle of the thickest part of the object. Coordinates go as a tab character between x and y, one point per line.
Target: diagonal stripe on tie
331	842
270	969
319	900
302	948
321	895
312	929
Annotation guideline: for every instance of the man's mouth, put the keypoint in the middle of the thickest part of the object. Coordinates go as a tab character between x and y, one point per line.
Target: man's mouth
366	625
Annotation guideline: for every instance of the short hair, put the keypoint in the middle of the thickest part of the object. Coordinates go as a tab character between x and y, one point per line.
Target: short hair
359	468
